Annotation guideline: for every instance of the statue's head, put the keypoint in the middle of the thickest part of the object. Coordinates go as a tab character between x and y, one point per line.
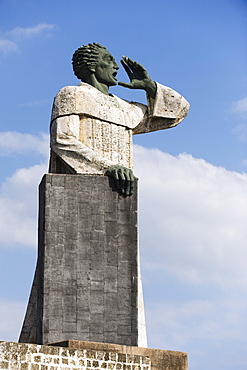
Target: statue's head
95	60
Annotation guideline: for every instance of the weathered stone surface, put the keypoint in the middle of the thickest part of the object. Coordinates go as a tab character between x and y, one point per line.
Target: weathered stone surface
86	284
92	131
160	359
14	356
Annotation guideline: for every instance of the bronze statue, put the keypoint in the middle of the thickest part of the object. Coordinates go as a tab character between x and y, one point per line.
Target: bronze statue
91	130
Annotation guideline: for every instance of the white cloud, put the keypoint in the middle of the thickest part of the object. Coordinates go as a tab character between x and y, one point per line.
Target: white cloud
11	313
192	218
218	319
240	106
208	330
239	109
7	46
36	103
16	142
18	207
9	40
18	193
29	32
241	131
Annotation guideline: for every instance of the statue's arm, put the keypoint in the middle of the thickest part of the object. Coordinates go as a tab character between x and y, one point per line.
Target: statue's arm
166	107
166	110
66	144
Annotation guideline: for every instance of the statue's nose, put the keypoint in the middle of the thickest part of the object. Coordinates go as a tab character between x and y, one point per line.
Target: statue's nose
116	65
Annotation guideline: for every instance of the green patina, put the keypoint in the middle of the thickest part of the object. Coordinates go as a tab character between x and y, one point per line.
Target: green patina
93	64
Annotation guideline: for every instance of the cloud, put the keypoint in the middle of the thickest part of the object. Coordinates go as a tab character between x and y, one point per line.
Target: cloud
7	46
208	329
36	103
215	320
29	32
240	106
18	207
241	132
11	313
16	142
192	219
192	230
18	193
9	41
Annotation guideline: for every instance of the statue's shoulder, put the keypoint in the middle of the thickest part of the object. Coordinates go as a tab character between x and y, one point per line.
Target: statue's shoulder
71	92
85	99
67	99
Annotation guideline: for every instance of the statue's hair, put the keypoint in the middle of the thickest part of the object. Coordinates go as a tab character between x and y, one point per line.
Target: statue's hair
85	59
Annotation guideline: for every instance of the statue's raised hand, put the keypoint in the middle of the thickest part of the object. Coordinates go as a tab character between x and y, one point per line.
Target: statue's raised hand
139	78
123	178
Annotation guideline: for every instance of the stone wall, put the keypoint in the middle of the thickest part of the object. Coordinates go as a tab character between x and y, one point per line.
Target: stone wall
160	359
79	355
14	356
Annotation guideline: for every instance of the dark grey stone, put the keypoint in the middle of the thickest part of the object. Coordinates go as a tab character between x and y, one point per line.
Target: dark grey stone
85	286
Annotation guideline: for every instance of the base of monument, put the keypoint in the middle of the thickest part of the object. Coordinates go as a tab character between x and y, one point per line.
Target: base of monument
87	283
74	355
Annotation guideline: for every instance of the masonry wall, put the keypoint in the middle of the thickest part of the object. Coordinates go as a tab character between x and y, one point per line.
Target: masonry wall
16	356
79	355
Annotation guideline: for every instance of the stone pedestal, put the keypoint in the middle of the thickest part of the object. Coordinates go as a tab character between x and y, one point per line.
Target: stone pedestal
86	280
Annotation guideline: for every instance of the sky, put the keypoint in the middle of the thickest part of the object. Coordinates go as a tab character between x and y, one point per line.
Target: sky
192	178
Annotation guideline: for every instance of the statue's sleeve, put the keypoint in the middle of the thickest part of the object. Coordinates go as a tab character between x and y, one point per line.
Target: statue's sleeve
166	110
66	145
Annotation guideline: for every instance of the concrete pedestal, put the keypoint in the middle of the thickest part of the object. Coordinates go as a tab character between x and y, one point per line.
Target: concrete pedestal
86	280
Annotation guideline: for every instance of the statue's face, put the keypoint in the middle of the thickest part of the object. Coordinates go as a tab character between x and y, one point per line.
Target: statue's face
106	68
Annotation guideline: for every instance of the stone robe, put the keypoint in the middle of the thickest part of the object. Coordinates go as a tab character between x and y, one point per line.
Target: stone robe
92	131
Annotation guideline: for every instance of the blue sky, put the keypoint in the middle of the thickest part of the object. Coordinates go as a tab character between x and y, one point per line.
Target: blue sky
193	181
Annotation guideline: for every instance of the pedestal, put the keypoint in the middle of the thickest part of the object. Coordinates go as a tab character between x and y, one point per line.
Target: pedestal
86	280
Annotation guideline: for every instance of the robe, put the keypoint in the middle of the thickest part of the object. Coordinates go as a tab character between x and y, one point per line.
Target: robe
92	131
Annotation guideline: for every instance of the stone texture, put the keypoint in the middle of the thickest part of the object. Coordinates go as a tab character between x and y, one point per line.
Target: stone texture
86	281
15	356
92	131
160	359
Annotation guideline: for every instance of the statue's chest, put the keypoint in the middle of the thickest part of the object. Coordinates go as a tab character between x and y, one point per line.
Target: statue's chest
109	140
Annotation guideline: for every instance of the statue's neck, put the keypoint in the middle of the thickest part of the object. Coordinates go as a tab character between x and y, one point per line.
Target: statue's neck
99	86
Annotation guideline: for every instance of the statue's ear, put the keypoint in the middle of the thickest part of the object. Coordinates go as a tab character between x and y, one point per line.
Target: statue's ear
91	67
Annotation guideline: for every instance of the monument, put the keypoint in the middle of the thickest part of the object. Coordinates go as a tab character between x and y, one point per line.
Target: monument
87	284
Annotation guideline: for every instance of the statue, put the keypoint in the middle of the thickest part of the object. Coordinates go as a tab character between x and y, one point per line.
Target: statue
91	129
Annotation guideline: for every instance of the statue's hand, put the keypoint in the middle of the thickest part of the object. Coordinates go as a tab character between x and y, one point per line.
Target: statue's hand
123	178
139	78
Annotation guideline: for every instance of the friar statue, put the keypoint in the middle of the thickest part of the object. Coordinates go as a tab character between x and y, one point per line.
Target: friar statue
91	129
